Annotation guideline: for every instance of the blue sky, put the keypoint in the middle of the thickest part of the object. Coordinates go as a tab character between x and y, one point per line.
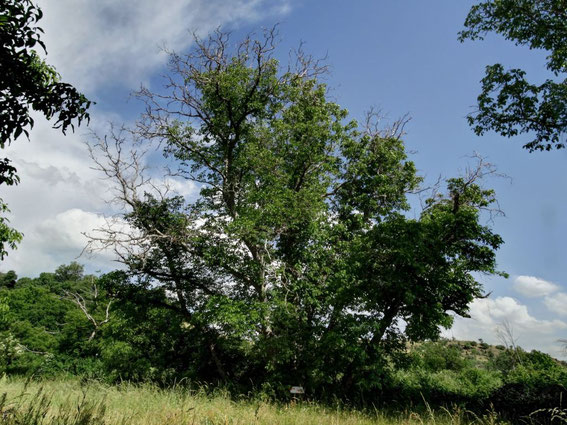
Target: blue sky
400	56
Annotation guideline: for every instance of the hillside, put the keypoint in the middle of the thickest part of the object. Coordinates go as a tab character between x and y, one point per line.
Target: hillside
480	352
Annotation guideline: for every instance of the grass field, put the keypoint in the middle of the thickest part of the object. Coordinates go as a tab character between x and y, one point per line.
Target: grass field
70	402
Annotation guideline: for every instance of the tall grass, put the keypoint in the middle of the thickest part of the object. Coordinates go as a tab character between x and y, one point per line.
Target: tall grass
73	403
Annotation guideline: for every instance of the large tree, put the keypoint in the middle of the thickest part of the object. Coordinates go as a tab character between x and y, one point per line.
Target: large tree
509	104
28	83
297	262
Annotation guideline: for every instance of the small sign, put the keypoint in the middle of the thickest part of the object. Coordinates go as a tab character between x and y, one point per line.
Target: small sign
297	390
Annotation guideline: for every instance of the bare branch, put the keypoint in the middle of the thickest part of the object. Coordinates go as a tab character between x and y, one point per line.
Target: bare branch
79	301
376	124
305	65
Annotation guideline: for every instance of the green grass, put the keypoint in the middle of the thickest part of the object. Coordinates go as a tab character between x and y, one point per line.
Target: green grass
72	403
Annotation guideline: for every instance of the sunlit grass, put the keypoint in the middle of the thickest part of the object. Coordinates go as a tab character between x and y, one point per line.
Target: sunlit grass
70	402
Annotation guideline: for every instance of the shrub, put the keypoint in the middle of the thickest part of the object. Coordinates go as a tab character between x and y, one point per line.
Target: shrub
446	386
121	361
507	360
517	400
435	357
533	381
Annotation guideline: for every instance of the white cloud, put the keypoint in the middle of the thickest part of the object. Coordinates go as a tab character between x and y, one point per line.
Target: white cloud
557	303
531	286
488	314
64	231
56	175
185	188
57	240
95	43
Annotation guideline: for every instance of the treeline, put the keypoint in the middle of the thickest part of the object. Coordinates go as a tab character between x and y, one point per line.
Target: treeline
67	324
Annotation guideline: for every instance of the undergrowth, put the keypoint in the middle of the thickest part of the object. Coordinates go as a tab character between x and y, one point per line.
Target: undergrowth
71	402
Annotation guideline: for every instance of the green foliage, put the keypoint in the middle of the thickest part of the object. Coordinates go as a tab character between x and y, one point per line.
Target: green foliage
42	321
9	237
444	387
10	350
27	81
442	373
537	369
434	357
70	272
508	103
517	401
298	262
8	280
514	382
44	333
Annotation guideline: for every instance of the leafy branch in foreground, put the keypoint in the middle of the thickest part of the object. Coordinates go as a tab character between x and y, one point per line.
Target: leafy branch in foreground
27	81
508	103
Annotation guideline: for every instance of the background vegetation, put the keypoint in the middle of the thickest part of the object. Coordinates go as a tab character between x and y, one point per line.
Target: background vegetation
45	333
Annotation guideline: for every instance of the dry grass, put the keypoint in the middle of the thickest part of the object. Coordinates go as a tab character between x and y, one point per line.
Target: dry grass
69	402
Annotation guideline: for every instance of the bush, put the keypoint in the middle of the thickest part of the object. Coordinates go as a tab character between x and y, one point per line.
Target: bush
445	387
435	357
121	361
534	377
507	360
10	350
517	400
532	381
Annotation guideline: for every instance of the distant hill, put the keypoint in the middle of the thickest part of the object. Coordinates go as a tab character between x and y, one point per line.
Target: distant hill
482	352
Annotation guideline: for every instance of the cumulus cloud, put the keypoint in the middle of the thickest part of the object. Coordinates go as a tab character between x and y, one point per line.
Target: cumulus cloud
488	315
58	240
56	175
186	188
64	231
533	287
557	303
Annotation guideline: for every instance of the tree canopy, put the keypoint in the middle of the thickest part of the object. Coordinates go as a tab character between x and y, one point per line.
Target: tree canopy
509	104
28	83
299	258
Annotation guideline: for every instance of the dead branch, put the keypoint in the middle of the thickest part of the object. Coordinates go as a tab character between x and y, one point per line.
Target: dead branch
475	174
376	124
79	300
